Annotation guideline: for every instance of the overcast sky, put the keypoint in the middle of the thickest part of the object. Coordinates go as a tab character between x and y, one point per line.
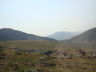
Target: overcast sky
44	17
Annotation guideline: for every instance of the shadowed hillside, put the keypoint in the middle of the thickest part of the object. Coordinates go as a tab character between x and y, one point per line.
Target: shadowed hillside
10	34
86	39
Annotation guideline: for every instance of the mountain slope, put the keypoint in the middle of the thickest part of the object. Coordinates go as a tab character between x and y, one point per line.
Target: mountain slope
10	34
63	35
86	39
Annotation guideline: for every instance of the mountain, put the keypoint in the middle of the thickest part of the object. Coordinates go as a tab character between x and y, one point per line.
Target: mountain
86	39
10	34
63	35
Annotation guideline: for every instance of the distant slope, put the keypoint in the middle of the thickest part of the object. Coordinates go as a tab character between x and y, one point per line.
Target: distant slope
86	39
63	35
10	34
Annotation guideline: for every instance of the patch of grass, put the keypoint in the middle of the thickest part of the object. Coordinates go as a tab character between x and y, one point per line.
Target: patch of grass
18	59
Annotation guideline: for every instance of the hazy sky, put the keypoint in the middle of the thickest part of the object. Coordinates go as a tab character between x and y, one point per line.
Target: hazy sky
44	17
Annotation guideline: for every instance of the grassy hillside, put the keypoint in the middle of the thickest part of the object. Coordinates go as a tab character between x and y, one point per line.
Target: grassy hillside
44	56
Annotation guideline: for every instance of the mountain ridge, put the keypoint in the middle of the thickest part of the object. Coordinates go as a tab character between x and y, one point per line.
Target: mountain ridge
85	40
11	34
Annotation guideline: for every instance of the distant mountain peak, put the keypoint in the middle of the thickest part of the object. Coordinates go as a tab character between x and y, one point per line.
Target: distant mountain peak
62	35
7	29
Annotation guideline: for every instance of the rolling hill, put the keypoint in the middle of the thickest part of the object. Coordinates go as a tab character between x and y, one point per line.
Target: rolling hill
86	39
10	34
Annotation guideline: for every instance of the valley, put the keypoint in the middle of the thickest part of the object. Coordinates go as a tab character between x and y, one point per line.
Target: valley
22	52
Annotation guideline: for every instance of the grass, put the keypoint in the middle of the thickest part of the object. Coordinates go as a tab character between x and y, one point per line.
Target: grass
21	61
